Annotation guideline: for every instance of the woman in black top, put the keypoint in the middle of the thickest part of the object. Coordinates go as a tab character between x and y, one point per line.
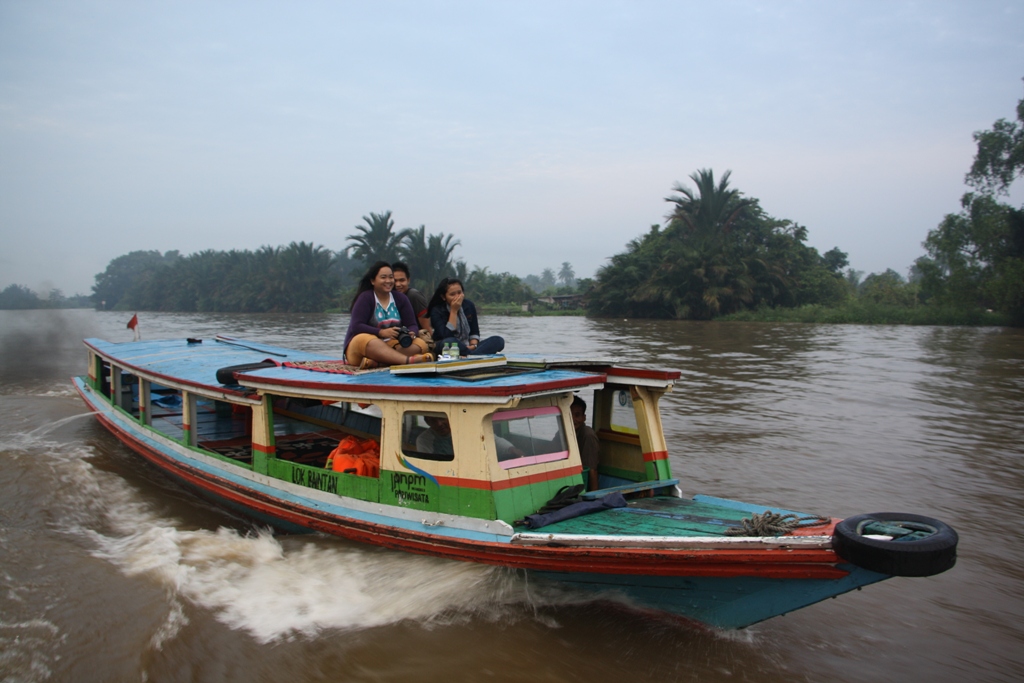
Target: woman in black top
454	319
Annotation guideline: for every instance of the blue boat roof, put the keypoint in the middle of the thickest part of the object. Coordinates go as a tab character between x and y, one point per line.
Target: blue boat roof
178	361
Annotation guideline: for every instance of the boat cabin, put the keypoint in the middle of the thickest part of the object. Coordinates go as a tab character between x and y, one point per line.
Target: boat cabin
490	440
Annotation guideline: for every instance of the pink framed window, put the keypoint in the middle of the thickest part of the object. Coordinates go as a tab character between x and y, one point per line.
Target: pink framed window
529	436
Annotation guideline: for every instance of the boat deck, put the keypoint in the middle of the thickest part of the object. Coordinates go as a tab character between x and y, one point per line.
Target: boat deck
667	516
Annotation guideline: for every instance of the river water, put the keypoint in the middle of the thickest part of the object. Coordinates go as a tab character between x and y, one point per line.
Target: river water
112	573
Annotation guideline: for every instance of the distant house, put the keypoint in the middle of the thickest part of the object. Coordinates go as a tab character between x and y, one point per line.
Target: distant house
563	302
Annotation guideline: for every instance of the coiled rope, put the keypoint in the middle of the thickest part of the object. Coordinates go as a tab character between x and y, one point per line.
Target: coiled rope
773	523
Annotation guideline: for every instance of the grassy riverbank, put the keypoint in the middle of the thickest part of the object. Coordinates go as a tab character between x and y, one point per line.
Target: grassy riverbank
517	310
850	314
873	314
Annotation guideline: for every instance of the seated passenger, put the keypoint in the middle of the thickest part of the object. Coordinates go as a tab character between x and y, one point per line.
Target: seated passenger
377	313
506	449
587	440
453	319
403	282
437	439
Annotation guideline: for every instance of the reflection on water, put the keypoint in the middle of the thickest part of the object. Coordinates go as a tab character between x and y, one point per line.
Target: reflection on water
830	419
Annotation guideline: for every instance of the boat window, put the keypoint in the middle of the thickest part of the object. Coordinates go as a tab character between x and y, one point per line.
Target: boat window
427	435
623	417
165	410
308	431
528	436
129	398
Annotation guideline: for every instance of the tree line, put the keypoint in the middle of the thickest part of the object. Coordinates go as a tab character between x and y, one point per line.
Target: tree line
19	297
718	254
302	277
975	258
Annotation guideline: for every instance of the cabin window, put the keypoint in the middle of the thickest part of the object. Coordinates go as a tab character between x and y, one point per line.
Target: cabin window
427	435
529	436
623	416
165	410
307	431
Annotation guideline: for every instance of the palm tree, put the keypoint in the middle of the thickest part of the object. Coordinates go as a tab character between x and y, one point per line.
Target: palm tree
416	253
712	211
428	256
441	247
547	278
306	270
567	276
377	240
706	272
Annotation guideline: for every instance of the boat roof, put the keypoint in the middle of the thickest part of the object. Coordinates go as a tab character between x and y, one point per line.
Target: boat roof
193	364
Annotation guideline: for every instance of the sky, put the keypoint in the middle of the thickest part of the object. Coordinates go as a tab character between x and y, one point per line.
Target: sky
534	132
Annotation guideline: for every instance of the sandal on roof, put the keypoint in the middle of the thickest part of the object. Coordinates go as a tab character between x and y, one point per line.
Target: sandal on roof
420	358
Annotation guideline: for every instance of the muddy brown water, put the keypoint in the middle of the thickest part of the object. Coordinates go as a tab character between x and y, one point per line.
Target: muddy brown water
112	573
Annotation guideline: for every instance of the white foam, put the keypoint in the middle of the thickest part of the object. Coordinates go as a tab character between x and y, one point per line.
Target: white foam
254	583
57	393
271	587
26	649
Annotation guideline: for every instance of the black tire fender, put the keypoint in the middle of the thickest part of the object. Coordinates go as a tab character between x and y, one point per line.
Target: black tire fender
930	551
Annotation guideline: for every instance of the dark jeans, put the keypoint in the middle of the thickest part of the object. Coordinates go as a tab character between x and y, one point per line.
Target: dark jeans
486	347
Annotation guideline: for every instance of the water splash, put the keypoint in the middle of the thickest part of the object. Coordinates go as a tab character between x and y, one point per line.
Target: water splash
45	429
273	587
256	583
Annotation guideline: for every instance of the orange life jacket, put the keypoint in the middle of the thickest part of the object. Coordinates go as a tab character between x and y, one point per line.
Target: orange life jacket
356	456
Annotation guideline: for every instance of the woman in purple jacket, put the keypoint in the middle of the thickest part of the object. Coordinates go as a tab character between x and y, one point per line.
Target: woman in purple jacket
377	313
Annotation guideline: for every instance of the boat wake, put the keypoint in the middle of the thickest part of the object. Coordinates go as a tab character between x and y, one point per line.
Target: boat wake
281	588
274	587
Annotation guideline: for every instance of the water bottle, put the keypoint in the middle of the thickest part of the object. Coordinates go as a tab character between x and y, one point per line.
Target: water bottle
453	350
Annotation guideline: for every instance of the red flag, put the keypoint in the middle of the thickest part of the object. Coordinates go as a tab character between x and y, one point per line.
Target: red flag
133	325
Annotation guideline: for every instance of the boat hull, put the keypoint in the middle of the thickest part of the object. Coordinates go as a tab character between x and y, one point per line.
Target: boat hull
720	587
717	601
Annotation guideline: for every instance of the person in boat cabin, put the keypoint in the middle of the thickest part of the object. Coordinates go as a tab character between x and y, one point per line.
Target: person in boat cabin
377	313
453	319
403	284
587	440
437	439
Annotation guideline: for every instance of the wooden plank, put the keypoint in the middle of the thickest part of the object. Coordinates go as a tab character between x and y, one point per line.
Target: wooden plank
629	488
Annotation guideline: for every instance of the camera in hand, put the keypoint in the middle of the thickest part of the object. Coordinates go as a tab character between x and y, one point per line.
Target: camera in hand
404	337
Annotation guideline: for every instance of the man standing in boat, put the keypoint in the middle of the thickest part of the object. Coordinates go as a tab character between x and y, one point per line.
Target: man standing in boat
587	440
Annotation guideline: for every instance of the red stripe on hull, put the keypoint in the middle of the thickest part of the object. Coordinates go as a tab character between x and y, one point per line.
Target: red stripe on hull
655	455
768	563
642	373
484	485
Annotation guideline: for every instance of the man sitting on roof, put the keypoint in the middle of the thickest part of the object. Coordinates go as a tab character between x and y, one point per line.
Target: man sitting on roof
403	284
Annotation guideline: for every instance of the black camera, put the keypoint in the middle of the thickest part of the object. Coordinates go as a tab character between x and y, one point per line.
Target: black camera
404	337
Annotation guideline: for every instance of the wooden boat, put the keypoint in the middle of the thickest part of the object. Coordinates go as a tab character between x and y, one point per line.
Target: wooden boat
263	430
